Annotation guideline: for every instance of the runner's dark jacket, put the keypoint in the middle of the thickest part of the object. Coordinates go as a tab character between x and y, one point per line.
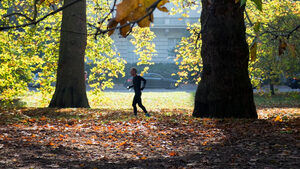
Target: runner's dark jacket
137	80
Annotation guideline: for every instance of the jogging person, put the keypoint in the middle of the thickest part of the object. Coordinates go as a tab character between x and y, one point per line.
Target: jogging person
137	80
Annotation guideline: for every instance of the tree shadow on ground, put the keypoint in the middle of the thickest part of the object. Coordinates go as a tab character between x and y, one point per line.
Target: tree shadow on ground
247	144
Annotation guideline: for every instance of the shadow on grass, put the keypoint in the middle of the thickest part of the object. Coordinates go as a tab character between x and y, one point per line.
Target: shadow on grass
12	115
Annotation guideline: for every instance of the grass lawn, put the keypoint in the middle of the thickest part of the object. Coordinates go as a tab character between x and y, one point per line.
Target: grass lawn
162	100
122	100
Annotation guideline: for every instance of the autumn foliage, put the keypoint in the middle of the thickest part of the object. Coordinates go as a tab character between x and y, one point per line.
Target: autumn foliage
132	11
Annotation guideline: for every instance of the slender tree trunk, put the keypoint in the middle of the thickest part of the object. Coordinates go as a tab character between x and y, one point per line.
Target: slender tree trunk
272	88
70	88
225	89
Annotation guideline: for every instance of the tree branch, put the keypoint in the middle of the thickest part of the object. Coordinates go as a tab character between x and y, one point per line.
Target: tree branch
150	10
248	18
103	20
41	19
111	10
18	14
35	9
277	34
292	31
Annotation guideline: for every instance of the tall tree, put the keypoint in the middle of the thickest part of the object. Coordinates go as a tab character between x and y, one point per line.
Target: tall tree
225	89
70	88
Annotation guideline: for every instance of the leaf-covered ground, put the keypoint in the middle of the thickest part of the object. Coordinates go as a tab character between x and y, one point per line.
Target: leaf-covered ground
103	138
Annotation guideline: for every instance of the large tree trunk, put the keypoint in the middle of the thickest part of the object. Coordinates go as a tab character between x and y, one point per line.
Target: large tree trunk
70	85
225	89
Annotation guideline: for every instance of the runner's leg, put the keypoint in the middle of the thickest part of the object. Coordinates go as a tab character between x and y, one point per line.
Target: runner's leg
134	102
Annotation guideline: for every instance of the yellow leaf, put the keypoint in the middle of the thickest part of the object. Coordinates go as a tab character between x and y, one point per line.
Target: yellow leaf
132	10
125	8
163	2
49	2
237	1
278	118
32	120
124	30
144	23
139	13
89	142
112	23
143	158
123	143
51	143
163	9
147	3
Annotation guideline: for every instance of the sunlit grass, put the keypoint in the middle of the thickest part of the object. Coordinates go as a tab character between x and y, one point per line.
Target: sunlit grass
154	101
151	100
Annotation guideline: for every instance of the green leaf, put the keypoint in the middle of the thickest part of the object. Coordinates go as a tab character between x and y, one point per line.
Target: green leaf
256	27
243	2
258	4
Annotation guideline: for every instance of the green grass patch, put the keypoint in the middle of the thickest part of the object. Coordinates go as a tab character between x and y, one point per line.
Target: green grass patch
151	100
290	99
154	101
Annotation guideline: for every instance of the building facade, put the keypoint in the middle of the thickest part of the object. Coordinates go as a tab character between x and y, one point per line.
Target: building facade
168	29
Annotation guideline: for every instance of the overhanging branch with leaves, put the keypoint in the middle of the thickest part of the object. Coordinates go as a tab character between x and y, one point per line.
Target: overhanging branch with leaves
35	21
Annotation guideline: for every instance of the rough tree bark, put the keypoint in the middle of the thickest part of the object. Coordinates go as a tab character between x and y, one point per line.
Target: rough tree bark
225	89
70	88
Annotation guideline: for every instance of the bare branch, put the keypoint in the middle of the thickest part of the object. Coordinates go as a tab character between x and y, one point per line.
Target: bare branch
41	19
248	18
18	14
292	31
103	20
277	34
111	10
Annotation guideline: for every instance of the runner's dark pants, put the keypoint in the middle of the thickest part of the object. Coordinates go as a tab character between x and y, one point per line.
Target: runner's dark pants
138	100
